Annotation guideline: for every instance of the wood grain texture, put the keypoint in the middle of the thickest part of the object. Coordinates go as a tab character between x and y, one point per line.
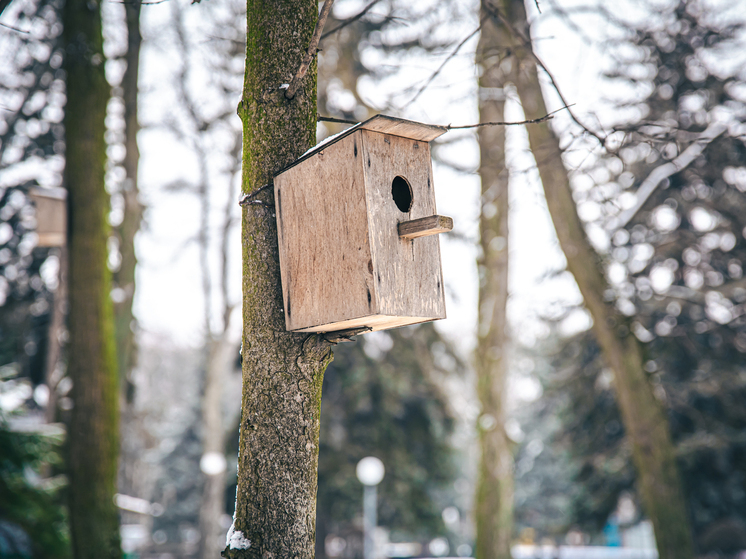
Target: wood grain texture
342	261
408	278
404	128
325	259
374	322
425	226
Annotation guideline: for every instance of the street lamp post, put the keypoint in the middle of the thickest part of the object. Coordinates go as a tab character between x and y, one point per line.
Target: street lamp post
370	472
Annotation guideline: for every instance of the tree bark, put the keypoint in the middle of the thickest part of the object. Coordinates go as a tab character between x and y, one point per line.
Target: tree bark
282	372
494	498
93	437
124	277
645	422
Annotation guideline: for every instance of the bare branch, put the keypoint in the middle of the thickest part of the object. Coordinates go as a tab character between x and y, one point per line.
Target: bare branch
544	118
526	40
649	185
313	48
348	21
446	61
246	198
14	28
138	2
337	120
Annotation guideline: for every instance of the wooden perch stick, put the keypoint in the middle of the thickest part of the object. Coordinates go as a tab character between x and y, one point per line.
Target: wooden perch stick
313	48
430	225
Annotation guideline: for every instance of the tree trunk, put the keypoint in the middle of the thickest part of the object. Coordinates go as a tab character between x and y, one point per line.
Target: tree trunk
645	422
494	498
282	372
124	278
93	437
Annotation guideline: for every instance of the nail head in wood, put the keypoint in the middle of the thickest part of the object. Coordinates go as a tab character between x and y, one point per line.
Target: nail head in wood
430	225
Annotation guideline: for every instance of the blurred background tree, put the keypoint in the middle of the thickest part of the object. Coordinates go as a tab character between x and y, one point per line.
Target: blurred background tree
674	264
677	250
385	396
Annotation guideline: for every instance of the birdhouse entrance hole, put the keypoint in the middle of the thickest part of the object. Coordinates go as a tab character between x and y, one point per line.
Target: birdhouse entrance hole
402	194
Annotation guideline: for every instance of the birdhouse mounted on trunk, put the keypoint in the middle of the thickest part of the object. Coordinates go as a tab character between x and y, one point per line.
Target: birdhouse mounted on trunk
357	229
51	215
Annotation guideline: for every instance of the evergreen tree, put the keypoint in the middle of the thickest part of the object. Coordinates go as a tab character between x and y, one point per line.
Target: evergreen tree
33	522
382	398
646	423
677	256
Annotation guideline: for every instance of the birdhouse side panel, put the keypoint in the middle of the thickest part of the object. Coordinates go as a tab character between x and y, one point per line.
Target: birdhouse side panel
325	258
408	272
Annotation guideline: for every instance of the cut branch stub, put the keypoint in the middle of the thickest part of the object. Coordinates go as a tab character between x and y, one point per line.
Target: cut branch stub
313	48
430	225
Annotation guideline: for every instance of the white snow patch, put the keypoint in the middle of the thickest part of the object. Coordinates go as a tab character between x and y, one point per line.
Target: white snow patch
328	140
236	540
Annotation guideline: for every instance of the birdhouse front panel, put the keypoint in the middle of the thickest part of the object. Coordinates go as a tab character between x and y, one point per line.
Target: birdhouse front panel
399	188
353	216
325	259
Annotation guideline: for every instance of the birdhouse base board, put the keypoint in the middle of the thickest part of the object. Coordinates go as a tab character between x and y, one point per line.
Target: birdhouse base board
374	322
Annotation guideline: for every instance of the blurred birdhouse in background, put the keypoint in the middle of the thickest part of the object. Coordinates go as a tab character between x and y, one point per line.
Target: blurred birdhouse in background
51	215
356	224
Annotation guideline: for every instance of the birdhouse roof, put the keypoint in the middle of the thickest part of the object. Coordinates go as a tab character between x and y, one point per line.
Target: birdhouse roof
383	124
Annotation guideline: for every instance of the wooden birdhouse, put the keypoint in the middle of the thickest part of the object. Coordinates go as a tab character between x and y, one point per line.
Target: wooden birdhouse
356	226
51	215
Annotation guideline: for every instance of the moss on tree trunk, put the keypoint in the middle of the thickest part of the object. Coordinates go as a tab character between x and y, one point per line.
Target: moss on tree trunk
644	419
282	372
93	437
494	498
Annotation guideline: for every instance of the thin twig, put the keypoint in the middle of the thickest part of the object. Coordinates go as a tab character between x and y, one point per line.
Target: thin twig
337	120
527	44
313	48
544	118
246	198
348	21
135	2
14	28
440	69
